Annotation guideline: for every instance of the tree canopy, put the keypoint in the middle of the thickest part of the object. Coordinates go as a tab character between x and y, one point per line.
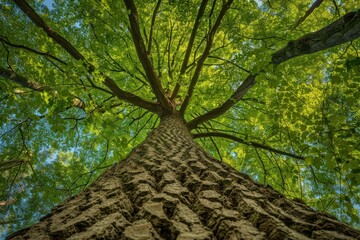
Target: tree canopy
83	82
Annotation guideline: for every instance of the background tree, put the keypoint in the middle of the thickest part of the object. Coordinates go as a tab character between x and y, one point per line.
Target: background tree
84	82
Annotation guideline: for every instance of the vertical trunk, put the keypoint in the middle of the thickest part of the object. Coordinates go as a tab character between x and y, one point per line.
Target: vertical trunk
170	188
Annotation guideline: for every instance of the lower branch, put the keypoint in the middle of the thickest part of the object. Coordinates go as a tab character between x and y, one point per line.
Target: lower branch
131	98
248	143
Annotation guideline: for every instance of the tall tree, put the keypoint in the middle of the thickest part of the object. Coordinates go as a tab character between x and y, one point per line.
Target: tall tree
84	82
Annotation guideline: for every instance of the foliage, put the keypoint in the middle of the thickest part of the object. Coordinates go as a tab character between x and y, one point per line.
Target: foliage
62	125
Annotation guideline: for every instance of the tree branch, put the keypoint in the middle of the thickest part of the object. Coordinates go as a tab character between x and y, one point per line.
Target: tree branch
144	57
152	25
46	54
24	82
308	12
38	21
216	112
7	202
68	47
189	47
230	62
122	69
248	143
203	57
131	98
345	29
11	75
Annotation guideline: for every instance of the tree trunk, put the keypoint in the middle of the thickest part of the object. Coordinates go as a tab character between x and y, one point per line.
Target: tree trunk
170	188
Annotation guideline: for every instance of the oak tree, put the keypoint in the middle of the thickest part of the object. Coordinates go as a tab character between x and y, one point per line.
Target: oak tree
129	115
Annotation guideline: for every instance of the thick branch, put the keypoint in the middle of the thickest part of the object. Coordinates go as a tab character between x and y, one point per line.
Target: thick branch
203	57
143	56
216	112
67	46
345	29
248	143
189	46
24	82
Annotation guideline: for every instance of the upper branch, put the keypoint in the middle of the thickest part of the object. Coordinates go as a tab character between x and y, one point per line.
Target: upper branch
216	112
249	143
144	57
203	57
316	4
345	29
68	47
152	25
190	45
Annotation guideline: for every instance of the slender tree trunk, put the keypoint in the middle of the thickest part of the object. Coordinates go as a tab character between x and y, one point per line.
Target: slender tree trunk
170	188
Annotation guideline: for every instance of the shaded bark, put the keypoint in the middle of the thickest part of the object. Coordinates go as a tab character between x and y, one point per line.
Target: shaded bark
170	188
22	81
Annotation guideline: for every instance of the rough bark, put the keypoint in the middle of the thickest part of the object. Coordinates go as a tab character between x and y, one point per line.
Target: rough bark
170	188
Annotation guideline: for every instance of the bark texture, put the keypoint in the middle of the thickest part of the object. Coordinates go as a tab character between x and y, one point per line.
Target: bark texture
170	188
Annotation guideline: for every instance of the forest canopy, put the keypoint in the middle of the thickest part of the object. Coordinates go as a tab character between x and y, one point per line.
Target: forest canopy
269	87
